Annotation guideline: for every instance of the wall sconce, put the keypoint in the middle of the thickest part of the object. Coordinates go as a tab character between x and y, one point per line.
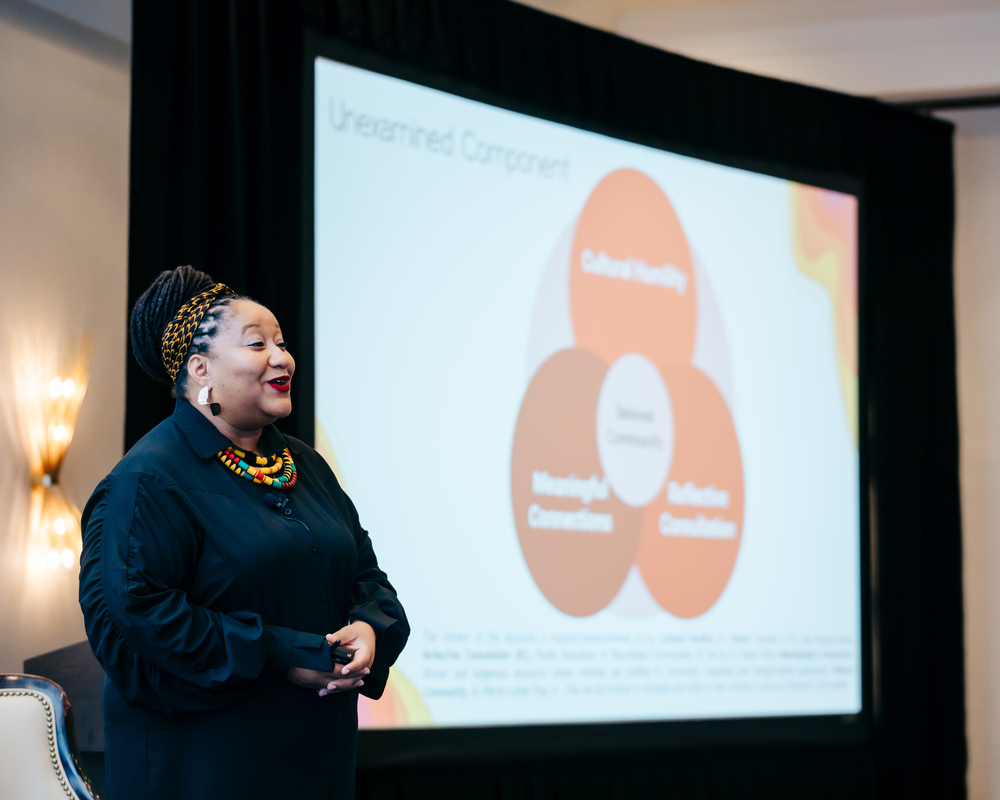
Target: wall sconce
50	382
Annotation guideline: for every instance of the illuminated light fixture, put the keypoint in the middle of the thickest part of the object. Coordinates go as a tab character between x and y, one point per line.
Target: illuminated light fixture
50	382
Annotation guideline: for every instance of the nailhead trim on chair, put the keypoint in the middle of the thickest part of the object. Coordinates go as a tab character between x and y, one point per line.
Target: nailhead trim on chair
53	751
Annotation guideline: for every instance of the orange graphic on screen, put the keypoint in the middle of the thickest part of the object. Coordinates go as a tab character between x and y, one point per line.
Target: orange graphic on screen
631	283
691	532
624	452
594	531
824	226
400	706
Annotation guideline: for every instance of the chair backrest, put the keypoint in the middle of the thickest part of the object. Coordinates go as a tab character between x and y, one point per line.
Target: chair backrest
38	758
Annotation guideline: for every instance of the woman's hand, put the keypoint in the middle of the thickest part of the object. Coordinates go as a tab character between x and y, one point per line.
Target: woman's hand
325	682
358	637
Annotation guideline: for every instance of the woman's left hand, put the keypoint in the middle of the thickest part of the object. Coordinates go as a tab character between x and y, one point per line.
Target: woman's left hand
358	637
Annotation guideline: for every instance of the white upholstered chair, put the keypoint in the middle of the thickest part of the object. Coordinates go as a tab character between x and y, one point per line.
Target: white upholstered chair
38	758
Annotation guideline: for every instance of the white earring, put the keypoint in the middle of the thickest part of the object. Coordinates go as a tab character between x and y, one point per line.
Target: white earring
203	396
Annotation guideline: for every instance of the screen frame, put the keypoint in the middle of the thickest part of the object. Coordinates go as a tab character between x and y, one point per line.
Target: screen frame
424	746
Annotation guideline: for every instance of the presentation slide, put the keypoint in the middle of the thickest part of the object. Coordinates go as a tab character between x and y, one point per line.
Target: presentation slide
597	405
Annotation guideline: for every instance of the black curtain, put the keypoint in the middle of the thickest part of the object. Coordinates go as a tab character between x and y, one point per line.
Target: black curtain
216	181
214	176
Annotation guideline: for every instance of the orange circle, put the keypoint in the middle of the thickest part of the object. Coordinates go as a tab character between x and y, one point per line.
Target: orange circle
691	532
578	539
631	284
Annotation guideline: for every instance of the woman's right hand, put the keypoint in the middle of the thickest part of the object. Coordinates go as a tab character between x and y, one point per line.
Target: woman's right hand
325	682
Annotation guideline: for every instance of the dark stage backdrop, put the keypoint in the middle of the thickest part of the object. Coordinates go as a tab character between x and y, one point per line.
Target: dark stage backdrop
216	181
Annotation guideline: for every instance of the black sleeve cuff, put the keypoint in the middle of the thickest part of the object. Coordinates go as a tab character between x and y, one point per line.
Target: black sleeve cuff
289	648
373	615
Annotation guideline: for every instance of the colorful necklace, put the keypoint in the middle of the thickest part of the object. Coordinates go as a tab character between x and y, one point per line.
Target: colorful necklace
265	470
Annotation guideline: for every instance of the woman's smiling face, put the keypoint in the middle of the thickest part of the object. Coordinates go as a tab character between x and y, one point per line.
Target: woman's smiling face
247	367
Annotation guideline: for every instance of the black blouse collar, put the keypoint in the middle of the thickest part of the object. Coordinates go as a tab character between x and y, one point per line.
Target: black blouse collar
206	440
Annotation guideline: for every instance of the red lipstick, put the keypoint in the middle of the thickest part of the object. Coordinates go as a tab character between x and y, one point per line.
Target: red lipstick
282	384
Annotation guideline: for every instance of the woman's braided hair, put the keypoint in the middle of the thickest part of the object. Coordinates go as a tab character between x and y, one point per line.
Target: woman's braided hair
157	307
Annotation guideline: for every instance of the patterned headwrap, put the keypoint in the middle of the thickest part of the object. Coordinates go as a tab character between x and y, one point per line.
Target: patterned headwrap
179	333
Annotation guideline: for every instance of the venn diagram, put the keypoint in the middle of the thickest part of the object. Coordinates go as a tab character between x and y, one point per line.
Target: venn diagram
625	452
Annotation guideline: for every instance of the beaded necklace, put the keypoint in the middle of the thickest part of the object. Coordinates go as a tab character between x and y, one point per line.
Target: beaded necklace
264	469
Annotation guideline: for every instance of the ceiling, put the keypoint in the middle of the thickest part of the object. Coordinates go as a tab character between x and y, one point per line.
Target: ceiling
895	49
112	18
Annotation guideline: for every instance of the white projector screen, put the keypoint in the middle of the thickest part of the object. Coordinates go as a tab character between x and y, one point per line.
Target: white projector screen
597	404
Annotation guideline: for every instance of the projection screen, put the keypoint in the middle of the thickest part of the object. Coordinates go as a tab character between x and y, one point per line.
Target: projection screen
597	404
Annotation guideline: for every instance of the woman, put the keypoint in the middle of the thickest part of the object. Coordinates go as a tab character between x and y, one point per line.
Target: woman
222	563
